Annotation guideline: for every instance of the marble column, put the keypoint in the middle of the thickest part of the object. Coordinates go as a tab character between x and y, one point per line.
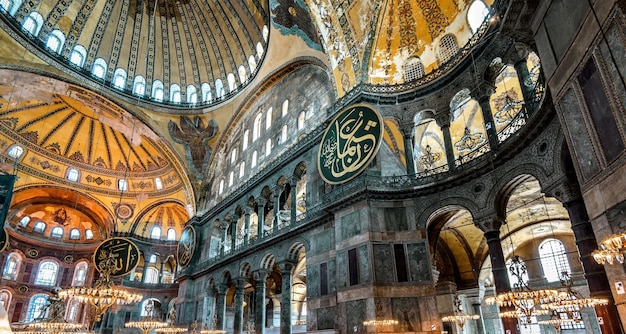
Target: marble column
233	231
285	300
220	306
246	227
485	91
161	272
444	123
594	273
293	183
276	191
259	318
261	216
408	131
491	228
238	323
224	226
144	272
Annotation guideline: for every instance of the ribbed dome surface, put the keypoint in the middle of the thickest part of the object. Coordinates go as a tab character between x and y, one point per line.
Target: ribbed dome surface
166	50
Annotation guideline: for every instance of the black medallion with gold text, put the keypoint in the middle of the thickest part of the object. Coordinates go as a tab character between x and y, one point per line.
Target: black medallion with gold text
124	251
350	143
4	239
186	246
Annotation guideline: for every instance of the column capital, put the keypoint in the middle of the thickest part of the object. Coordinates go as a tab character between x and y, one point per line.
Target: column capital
484	90
240	283
224	224
260	275
407	127
247	210
260	201
286	266
277	189
519	52
489	223
293	180
443	119
564	190
221	289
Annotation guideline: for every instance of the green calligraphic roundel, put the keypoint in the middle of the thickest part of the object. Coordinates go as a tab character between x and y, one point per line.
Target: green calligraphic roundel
122	252
4	239
350	143
186	246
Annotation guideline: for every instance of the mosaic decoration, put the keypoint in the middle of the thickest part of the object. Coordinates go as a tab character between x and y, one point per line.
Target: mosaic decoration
407	25
469	141
350	142
195	136
437	21
98	180
124	211
45	164
291	17
124	251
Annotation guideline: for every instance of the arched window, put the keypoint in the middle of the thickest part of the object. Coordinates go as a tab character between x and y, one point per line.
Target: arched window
256	131
259	50
171	234
283	134
268	147
301	119
5	298
448	48
35	307
175	95
57	232
99	68
413	69
119	79
268	118
152	276
244	144
232	83
80	274
266	32
206	92
15	151
88	234
139	86
553	259
74	234
192	94
219	89
155	233
157	183
47	273
55	41
11	267
221	188
231	178
285	110
10	6
243	76
72	310
78	55
233	156
72	175
242	169
254	156
252	63
153	258
39	227
32	23
476	14
148	306
157	91
122	185
24	221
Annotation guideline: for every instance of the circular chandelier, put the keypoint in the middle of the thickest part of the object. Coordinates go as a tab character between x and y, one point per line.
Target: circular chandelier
171	330
459	317
610	249
103	294
149	322
570	300
522	297
54	326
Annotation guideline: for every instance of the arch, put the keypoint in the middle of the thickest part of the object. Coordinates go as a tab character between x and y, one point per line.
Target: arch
155	233
99	68
232	82
300	169
119	79
256	130
554	260
5	298
245	270
72	174
267	262
433	209
268	118
11	6
206	92
47	273
150	307
413	69
80	273
243	76
158	91
293	253
477	13
12	266
175	93
301	119
78	55
447	48
192	94
252	63
268	147
35	306
15	151
32	23
139	86
226	277
74	234
501	191
219	89
171	234
57	232
55	41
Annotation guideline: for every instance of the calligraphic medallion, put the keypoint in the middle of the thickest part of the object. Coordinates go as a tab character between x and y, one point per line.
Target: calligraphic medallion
4	239
186	246
124	251
350	143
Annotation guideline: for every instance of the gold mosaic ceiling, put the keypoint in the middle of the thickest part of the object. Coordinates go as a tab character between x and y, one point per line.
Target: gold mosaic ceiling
188	42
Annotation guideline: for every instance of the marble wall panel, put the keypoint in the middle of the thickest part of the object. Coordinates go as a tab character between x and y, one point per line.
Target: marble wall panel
395	219
406	311
419	267
342	269
364	265
350	225
384	271
355	315
313	280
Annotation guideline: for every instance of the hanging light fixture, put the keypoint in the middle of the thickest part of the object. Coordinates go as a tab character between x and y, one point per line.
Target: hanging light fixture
51	319
610	249
459	317
379	323
571	302
524	299
149	322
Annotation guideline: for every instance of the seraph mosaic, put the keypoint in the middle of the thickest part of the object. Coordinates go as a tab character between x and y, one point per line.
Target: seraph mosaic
291	17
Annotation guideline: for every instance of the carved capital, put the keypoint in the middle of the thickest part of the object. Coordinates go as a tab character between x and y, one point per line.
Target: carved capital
221	289
240	284
260	275
484	90
564	190
293	180
286	266
407	128
489	223
443	119
261	201
224	224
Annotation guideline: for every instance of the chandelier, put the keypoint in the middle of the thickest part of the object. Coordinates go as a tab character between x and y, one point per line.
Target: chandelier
50	319
610	249
103	294
459	317
378	323
522	297
149	322
194	325
570	301
171	330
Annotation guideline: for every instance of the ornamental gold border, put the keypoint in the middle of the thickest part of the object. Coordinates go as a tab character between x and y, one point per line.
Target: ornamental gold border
93	257
193	249
382	132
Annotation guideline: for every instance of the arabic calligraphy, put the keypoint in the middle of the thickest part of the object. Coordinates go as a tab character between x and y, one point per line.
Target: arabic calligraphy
349	144
118	256
186	246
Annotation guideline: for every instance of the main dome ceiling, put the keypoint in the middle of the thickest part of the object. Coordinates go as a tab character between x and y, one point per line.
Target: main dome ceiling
189	45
